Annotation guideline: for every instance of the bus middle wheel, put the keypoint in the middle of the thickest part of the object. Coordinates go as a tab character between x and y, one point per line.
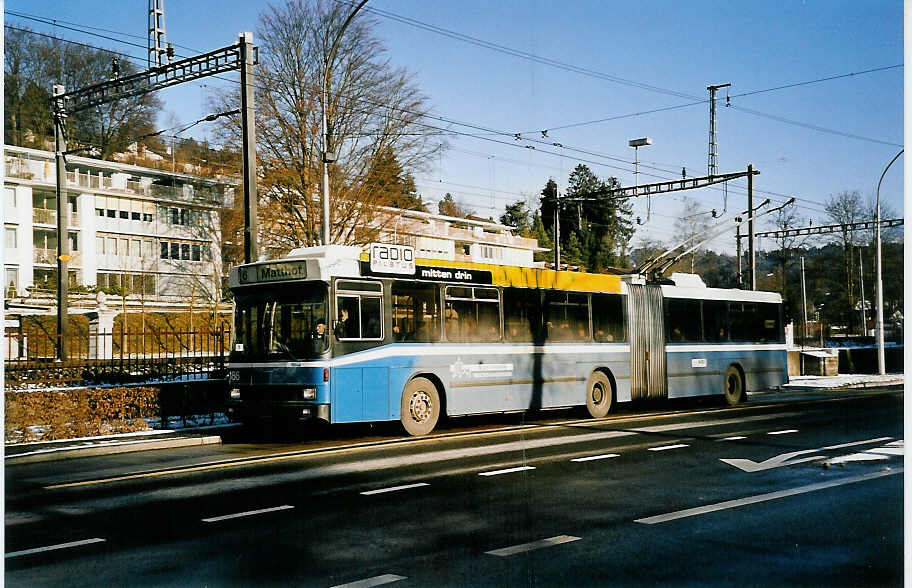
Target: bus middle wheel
599	395
733	386
420	407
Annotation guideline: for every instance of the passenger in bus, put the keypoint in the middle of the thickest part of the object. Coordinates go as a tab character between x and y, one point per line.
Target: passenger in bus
341	328
676	334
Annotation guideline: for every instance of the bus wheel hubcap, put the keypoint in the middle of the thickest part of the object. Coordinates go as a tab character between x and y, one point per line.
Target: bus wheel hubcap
597	394
420	406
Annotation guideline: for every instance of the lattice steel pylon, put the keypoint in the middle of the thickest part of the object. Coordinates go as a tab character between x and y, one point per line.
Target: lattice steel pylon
158	51
712	160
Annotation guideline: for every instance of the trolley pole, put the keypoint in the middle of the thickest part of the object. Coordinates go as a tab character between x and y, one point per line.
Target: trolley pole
63	223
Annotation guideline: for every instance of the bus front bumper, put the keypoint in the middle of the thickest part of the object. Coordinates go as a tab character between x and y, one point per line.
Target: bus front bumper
241	410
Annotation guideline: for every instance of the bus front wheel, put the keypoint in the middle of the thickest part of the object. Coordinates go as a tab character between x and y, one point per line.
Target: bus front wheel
734	386
420	407
599	395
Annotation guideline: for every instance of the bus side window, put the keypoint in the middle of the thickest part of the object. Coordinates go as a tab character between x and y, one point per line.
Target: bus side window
416	312
472	314
608	317
715	320
522	314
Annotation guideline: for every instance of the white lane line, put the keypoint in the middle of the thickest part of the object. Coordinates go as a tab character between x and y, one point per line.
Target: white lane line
550	542
375	581
783	432
667	447
394	488
734	438
54	547
690	512
249	513
593	457
506	471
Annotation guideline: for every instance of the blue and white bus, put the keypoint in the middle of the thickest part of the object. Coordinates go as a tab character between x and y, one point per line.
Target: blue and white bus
343	335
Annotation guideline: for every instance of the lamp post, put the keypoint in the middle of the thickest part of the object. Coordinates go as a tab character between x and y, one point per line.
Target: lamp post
881	364
328	156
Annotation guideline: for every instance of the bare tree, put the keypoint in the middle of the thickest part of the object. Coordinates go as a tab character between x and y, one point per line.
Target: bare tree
691	225
786	218
373	110
844	208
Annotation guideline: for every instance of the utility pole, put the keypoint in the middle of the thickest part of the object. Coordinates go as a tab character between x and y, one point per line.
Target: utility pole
738	253
864	320
750	226
63	222
804	305
556	229
712	163
156	40
251	250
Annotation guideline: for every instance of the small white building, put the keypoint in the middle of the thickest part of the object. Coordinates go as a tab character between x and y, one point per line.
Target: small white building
133	230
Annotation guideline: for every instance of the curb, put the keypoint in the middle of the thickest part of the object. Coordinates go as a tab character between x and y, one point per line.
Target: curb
109	449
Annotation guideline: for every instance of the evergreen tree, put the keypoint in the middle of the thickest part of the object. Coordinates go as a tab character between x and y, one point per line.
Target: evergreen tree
518	215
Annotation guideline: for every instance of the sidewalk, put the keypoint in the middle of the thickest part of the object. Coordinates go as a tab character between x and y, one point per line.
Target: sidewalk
844	381
21	453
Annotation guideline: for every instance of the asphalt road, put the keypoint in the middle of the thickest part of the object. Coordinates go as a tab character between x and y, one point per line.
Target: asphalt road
786	491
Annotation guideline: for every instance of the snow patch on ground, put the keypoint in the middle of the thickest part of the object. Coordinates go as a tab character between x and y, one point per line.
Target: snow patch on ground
844	380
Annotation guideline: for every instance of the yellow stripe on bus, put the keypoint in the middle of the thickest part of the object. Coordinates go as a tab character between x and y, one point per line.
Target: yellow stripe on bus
531	277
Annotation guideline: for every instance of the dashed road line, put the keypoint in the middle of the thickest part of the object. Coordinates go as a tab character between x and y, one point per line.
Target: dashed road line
733	438
594	457
394	489
248	513
375	581
550	542
783	432
54	547
506	471
667	447
690	512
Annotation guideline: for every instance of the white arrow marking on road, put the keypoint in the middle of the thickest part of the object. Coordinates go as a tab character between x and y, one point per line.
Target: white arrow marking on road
880	453
787	459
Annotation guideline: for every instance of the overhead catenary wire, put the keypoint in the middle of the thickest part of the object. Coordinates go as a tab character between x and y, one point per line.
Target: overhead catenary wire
442	119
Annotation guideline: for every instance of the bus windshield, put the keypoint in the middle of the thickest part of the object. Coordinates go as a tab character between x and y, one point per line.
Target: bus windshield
281	324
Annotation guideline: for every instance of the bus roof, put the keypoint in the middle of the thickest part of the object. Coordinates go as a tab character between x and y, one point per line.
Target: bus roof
692	286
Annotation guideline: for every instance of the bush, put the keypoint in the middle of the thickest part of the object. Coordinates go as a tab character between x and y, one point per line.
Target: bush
48	415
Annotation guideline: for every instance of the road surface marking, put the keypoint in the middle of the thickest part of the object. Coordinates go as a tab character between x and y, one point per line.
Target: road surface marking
786	459
783	432
665	447
394	488
375	581
430	457
592	457
884	452
508	551
690	512
506	471
735	438
54	547
249	513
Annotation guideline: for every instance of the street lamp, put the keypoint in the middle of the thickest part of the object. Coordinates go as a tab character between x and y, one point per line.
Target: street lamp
636	144
329	157
881	363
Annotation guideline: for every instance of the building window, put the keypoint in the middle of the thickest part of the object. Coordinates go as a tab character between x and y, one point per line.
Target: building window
44	239
175	251
74	206
135	245
10	237
175	216
134	216
184	217
11	281
195	253
147	249
10	197
112	246
74	241
99	212
489	252
164	250
185	251
125	214
123	247
112	213
99	245
44	200
147	217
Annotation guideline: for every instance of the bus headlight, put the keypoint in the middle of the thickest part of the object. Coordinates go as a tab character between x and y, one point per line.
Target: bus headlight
308	393
235	394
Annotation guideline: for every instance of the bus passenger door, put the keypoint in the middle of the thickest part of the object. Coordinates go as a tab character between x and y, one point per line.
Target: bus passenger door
647	342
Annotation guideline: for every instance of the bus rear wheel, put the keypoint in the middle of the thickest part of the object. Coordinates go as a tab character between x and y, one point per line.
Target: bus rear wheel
734	386
420	407
599	395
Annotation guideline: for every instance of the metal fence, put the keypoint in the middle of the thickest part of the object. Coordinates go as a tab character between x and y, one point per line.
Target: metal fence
119	357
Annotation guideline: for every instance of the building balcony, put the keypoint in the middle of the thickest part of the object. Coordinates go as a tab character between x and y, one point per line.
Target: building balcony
43	216
49	257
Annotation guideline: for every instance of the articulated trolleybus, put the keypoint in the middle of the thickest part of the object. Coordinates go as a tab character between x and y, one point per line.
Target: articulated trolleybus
343	335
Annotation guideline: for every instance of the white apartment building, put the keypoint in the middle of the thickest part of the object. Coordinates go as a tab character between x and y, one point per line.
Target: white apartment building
133	230
436	236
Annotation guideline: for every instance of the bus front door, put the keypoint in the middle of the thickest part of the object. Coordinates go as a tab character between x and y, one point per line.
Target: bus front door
647	342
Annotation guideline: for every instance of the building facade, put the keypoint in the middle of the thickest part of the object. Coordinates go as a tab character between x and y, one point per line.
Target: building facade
133	230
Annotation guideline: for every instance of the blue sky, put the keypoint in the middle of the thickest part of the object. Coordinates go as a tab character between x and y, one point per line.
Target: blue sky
673	47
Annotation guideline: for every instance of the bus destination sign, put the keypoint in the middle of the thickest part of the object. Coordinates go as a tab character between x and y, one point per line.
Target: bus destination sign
386	258
273	272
